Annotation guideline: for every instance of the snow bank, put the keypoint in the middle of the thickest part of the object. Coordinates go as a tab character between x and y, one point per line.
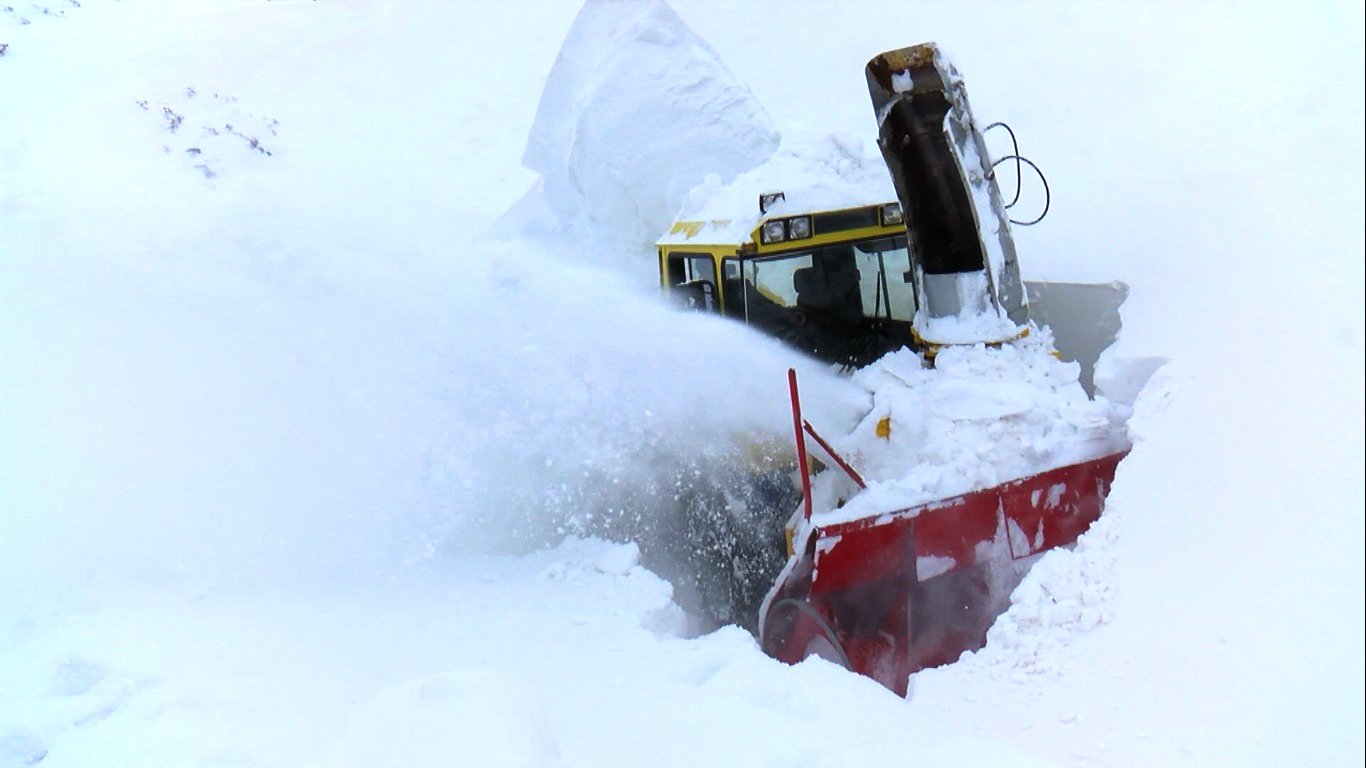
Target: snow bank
636	111
539	660
1066	593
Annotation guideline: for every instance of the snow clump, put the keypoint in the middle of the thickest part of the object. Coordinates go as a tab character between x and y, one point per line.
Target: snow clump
981	417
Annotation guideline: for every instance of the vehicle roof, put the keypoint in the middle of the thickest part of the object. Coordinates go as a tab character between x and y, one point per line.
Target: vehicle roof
831	173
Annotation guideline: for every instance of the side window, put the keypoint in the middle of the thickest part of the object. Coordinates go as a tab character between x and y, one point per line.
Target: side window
774	279
692	281
884	267
732	288
678	271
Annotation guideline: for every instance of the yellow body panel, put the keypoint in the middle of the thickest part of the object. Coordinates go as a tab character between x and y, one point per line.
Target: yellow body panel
818	241
716	252
692	238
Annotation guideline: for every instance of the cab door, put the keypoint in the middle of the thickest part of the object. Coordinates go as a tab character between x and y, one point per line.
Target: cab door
691	281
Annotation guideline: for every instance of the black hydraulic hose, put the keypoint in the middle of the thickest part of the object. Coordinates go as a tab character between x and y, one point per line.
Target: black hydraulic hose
1047	195
1015	151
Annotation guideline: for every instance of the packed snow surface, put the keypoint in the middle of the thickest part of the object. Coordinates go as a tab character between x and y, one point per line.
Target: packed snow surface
289	452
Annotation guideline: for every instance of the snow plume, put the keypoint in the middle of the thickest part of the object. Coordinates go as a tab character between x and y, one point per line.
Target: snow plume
587	405
307	367
607	411
637	110
246	431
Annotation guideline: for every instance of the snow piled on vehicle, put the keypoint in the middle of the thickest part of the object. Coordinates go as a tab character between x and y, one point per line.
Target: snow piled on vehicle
813	172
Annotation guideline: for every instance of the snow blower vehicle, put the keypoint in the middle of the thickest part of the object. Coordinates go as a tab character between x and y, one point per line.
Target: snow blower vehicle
892	583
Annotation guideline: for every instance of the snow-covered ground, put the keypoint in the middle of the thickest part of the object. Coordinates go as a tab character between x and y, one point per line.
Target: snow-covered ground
291	433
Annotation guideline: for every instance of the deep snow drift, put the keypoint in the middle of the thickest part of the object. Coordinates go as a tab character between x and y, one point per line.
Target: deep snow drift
247	418
637	111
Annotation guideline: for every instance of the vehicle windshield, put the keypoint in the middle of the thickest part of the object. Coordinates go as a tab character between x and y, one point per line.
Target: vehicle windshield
850	281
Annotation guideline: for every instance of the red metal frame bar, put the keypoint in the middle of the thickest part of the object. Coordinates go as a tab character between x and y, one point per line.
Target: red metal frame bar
844	465
801	442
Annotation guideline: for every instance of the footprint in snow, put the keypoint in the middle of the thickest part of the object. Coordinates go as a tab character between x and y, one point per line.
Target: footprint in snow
21	747
75	676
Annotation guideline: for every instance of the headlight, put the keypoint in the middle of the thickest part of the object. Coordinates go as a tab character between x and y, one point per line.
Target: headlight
799	227
891	215
774	231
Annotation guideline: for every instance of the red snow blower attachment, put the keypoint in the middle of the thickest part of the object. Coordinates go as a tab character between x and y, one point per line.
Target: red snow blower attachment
888	595
895	590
